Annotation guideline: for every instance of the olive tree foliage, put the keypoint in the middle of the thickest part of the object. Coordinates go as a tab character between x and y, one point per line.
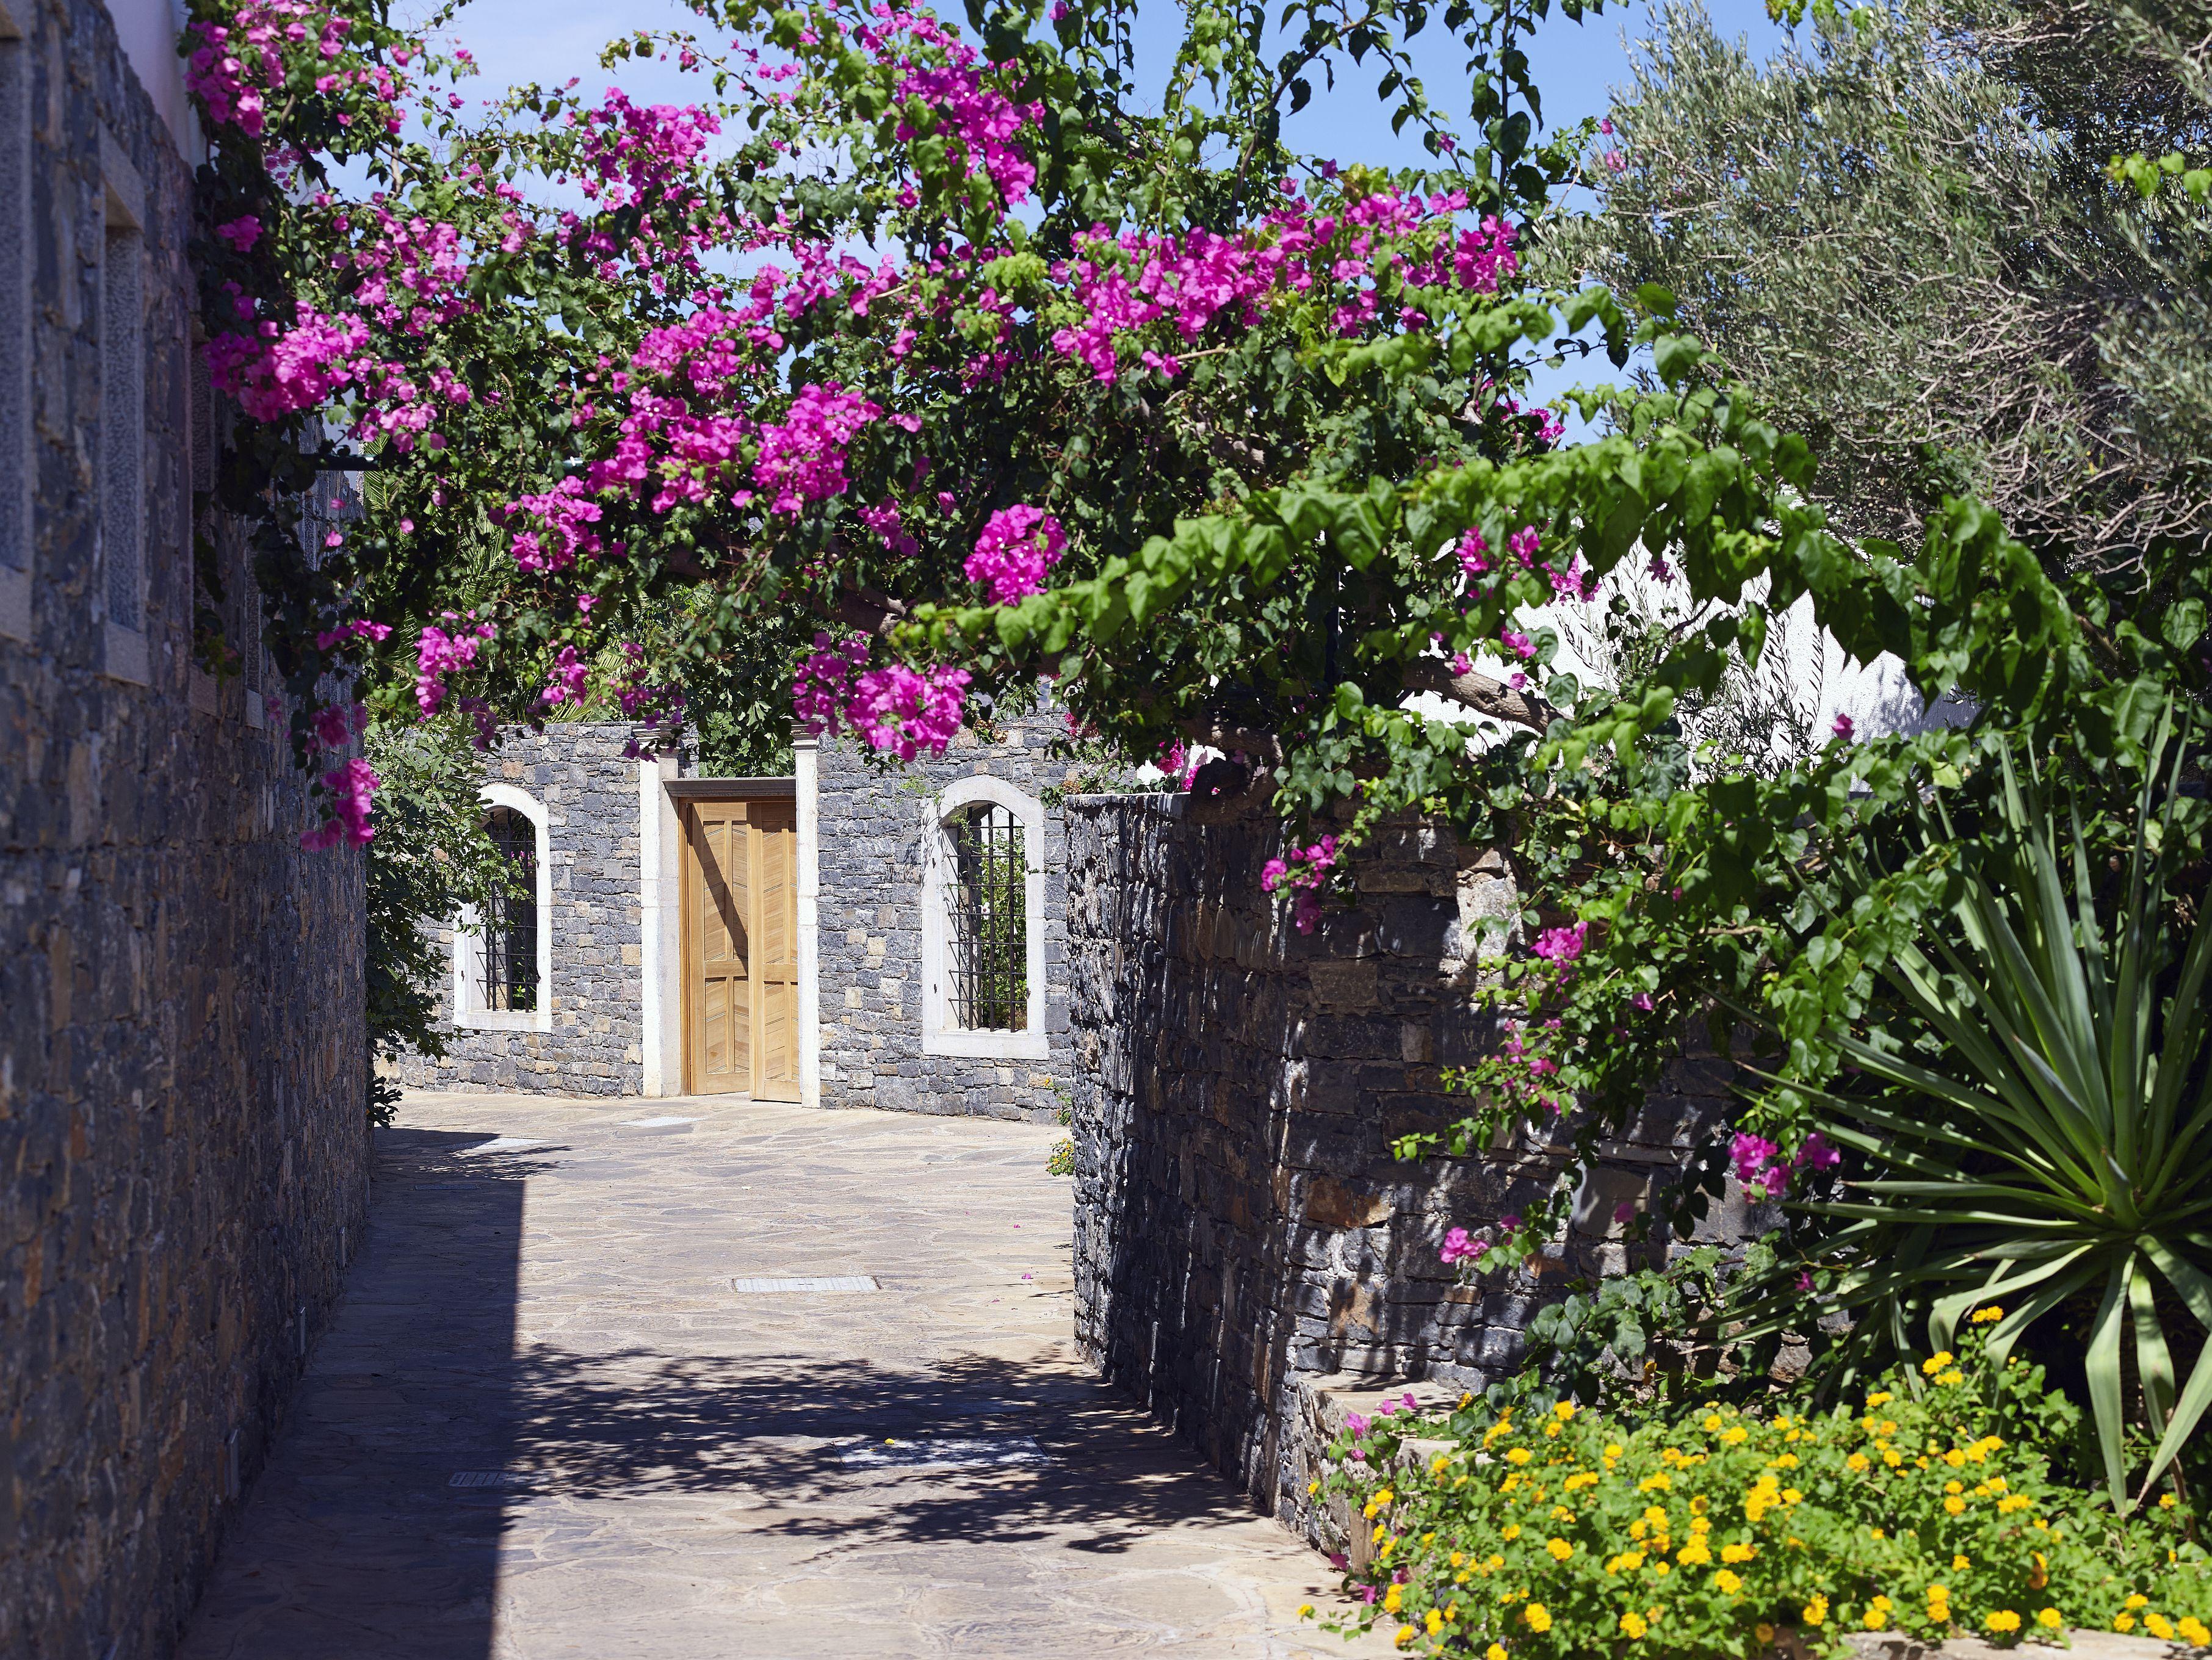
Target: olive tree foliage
1902	237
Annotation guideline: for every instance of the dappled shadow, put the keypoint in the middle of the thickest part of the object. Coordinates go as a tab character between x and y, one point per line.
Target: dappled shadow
438	1456
809	1445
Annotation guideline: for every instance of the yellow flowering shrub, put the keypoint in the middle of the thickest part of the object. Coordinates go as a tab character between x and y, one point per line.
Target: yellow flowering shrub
1551	1534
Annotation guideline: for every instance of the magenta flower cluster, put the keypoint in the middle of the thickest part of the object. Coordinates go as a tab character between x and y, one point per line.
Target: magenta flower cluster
945	92
1304	872
1760	1167
352	787
234	68
896	709
439	653
1019	545
1124	283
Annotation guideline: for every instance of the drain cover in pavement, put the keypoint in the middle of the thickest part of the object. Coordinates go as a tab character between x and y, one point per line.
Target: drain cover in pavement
666	1125
946	1452
492	1479
833	1282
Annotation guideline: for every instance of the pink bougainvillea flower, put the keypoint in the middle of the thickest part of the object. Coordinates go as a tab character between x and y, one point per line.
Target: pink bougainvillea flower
1019	545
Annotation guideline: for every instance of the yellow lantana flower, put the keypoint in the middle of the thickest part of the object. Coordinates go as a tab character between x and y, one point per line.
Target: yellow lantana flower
1561	1549
1816	1611
1537	1617
1728	1583
1935	1363
1634	1625
2051	1620
2003	1620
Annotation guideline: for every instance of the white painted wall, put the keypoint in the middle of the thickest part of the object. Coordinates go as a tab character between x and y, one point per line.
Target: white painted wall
148	30
805	767
661	852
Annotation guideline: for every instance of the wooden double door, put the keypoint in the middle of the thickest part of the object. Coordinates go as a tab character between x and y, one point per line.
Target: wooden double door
740	904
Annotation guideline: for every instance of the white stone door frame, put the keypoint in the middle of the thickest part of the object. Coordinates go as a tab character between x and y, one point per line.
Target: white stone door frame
660	922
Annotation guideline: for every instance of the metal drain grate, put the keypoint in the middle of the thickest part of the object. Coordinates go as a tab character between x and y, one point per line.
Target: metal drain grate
492	1479
946	1452
780	1287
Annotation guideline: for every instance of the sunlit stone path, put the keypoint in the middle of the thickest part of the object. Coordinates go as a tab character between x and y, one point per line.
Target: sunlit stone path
603	1385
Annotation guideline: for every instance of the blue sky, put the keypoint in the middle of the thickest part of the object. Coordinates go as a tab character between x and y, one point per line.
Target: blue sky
549	40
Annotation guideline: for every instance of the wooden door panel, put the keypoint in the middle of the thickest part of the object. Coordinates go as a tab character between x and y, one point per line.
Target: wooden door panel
718	1004
740	911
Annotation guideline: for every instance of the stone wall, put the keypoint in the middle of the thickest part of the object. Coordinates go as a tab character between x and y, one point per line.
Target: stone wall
577	771
1244	1242
183	1069
873	818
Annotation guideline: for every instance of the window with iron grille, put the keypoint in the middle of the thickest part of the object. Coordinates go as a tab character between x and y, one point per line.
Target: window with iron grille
987	900
510	924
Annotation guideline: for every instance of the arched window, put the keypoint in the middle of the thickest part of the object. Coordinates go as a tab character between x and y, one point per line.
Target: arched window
982	923
510	926
988	909
503	960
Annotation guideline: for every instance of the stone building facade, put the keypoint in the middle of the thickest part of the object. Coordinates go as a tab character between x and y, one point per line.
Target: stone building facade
183	1071
881	834
581	792
876	935
1244	1239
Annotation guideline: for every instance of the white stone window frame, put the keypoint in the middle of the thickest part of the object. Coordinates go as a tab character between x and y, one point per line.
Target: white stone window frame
940	1035
18	431
122	468
468	1012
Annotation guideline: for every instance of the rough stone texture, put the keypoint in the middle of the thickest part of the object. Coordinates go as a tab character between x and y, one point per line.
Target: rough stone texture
688	1470
577	769
873	820
1241	1228
183	1068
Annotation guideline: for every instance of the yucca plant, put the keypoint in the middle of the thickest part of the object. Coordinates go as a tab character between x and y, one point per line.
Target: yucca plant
2066	1157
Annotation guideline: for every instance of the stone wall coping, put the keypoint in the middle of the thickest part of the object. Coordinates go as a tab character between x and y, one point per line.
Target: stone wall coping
1331	1396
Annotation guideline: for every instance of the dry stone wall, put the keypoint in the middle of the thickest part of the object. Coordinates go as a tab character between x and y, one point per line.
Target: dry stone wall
873	819
1245	1243
576	771
183	1070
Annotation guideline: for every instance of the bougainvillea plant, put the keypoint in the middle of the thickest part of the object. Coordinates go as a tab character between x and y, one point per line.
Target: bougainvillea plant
956	354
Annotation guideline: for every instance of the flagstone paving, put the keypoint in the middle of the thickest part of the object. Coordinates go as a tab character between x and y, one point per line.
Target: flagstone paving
546	1421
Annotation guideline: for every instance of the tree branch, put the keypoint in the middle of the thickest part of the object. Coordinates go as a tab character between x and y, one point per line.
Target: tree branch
1480	693
870	611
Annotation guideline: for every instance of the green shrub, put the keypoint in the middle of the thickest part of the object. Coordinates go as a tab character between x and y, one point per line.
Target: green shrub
1060	1161
1716	1530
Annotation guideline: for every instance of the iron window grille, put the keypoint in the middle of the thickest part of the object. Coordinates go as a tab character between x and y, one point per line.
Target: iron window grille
989	906
510	929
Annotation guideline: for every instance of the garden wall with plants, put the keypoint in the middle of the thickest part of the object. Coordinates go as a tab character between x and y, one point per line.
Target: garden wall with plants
1244	1234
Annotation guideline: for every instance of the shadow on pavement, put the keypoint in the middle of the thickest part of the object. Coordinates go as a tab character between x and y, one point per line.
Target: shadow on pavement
355	1542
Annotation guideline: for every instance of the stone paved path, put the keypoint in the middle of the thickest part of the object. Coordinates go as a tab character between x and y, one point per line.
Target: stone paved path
666	1466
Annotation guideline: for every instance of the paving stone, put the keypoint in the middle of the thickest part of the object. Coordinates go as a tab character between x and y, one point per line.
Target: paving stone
664	1464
